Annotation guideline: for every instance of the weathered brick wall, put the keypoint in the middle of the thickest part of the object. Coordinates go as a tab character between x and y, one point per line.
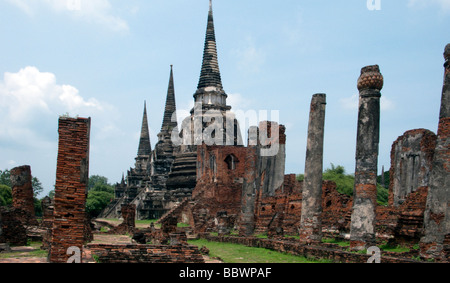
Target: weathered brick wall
221	171
22	192
13	230
72	174
146	253
284	209
128	225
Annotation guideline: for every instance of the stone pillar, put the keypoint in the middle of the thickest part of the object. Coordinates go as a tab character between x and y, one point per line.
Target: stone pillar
247	213
362	230
437	212
72	176
311	219
22	192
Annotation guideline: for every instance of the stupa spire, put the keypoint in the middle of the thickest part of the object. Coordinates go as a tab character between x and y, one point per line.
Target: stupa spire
210	73
168	125
145	147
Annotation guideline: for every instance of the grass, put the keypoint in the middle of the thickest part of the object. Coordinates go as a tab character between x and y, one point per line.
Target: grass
395	249
35	253
334	241
234	253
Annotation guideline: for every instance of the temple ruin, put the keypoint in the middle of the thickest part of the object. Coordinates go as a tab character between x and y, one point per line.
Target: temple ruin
201	174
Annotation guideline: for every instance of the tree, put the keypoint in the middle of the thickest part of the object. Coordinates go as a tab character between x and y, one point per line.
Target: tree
5	195
95	180
99	196
5	177
37	186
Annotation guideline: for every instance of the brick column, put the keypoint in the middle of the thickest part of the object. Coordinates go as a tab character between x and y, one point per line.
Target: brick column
362	229
22	192
311	219
437	212
247	213
72	176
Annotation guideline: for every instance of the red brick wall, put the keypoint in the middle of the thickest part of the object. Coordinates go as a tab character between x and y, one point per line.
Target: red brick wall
72	176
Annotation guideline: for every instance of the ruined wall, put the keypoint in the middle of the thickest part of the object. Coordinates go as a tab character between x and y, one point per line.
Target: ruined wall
281	214
411	163
72	176
221	171
146	253
273	211
22	192
12	229
128	225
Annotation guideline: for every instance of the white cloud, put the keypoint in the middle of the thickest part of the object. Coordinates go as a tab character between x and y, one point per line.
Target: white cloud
237	101
250	58
444	4
91	11
352	102
31	101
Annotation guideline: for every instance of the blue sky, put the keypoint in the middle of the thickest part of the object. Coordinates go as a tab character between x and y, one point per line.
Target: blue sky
103	58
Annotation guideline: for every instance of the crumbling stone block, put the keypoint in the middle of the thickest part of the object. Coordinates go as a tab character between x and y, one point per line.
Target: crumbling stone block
22	193
72	175
128	226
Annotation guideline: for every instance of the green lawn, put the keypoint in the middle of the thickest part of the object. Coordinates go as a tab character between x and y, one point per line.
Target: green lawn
234	253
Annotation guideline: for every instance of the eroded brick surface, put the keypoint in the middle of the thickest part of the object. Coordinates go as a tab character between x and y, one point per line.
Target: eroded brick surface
72	174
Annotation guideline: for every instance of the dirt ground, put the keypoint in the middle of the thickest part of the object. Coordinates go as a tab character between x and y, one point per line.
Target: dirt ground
26	254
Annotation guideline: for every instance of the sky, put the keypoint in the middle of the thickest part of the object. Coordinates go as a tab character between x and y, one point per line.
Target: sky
103	58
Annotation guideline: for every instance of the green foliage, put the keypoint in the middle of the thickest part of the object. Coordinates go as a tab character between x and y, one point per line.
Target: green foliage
344	182
335	241
96	180
51	194
382	195
5	195
4	178
37	207
97	201
37	186
386	179
100	195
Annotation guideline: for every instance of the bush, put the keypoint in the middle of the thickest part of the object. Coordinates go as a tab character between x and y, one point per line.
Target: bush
346	182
